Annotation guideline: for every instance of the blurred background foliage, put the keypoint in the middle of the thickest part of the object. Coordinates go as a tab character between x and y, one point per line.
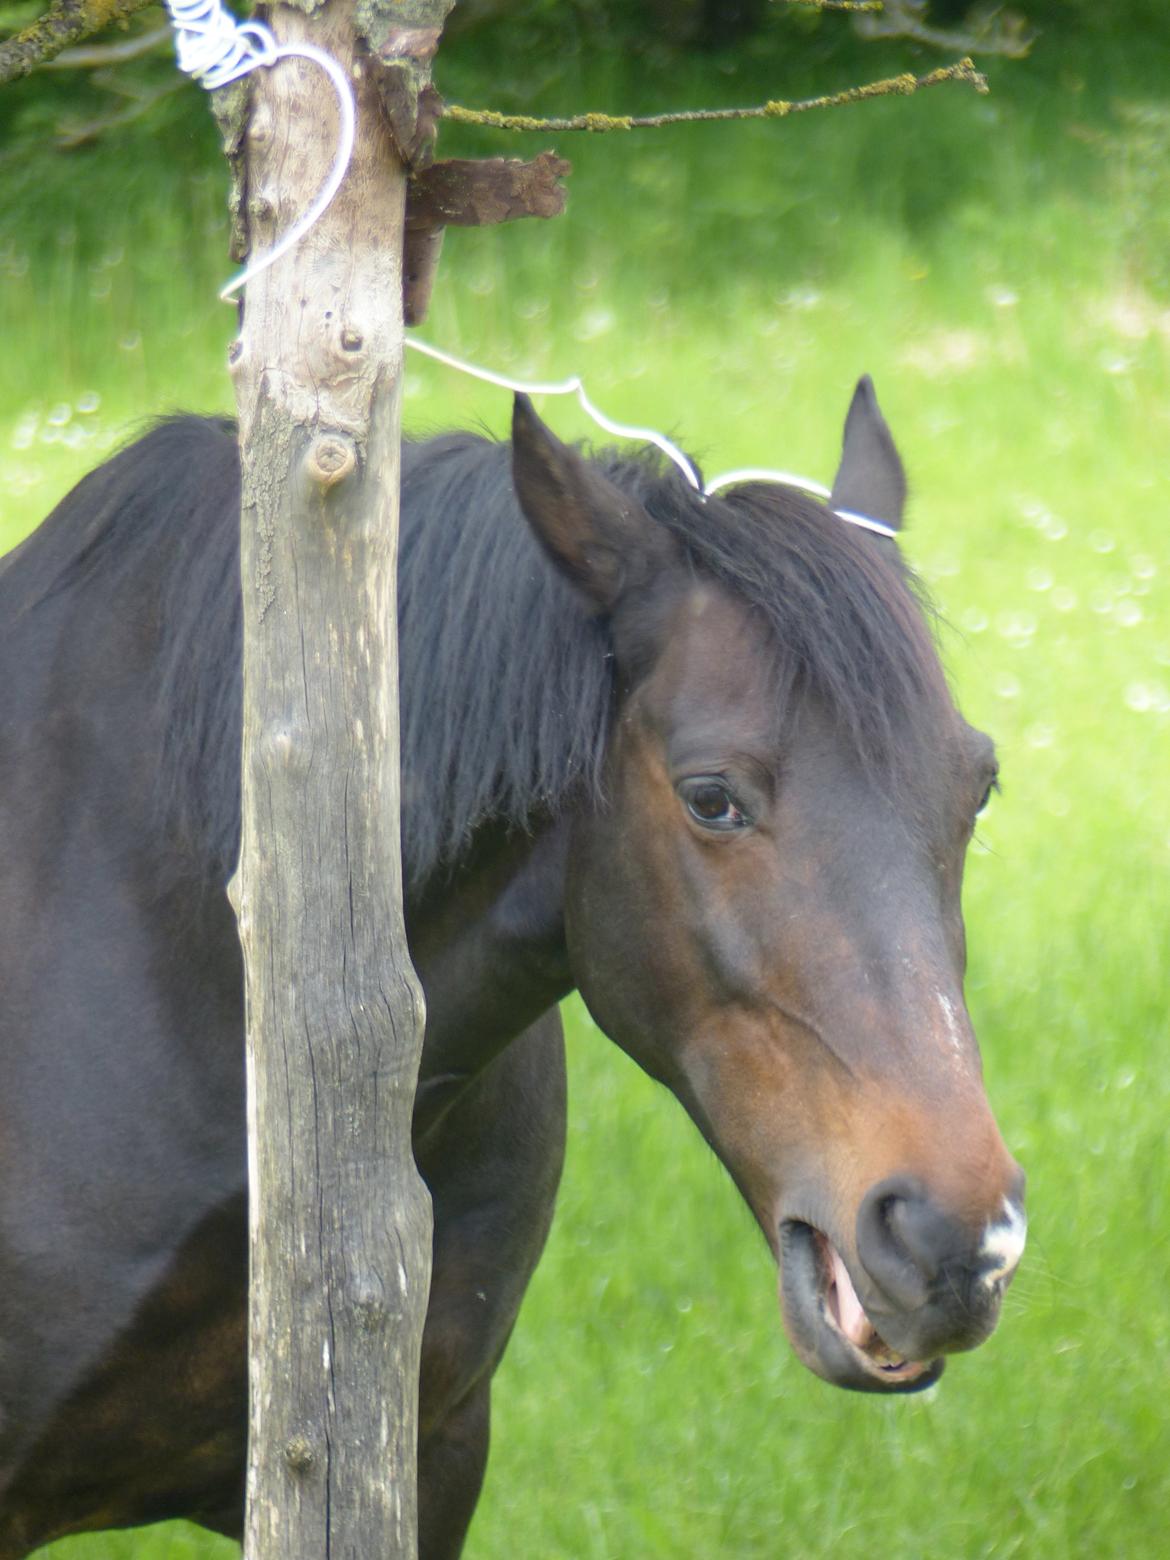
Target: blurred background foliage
1001	265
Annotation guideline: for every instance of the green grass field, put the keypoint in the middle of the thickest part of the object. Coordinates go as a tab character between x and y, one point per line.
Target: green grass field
1001	266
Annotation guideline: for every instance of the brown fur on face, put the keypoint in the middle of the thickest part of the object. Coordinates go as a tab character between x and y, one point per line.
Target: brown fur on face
803	996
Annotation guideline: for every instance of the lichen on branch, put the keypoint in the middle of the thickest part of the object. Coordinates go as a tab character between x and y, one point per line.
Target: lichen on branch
777	108
65	23
840	5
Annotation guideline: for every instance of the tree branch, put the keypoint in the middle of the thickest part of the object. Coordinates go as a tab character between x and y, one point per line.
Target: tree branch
988	31
101	54
65	22
81	134
840	5
893	86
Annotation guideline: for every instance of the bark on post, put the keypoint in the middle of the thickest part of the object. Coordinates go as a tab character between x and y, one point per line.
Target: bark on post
341	1226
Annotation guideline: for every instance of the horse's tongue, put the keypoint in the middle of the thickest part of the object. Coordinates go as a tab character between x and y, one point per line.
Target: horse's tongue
854	1323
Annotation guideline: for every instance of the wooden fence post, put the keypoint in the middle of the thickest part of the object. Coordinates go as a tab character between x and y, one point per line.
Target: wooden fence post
340	1220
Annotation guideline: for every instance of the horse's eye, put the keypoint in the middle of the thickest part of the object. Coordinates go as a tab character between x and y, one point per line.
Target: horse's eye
710	802
993	786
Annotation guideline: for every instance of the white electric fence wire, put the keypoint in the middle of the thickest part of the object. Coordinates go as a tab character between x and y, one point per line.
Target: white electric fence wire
766	474
215	49
866	522
574	386
790	479
571	386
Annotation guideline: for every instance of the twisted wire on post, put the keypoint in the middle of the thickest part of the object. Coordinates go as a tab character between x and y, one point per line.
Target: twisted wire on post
214	49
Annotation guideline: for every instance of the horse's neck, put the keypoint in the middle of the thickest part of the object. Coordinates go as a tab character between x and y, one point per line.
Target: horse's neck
489	949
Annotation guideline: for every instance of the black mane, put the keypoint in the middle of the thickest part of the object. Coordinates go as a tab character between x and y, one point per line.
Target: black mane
506	679
846	617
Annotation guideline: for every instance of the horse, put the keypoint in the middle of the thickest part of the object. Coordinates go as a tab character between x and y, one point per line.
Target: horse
694	758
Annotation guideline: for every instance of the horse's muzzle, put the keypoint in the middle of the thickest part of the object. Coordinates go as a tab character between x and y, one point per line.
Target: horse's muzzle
921	1289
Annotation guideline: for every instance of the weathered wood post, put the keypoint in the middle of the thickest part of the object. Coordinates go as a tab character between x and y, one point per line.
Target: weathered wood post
340	1220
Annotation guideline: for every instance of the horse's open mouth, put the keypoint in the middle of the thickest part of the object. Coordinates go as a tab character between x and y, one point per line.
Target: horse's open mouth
828	1325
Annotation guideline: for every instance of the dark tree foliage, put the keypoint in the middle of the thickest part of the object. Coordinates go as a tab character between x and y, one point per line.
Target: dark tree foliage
685	24
660	23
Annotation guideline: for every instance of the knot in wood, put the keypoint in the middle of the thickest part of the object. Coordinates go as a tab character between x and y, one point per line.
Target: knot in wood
284	746
370	1309
330	460
351	340
299	1456
260	126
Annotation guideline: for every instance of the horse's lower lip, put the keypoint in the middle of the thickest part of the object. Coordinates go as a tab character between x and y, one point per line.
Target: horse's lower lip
827	1325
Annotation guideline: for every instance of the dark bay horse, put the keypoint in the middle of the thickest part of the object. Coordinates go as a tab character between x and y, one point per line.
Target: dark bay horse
696	759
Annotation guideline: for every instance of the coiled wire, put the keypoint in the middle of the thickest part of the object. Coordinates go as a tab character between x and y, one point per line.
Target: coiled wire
214	49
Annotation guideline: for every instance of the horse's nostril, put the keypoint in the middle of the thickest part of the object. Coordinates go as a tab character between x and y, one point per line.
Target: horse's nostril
921	1230
902	1240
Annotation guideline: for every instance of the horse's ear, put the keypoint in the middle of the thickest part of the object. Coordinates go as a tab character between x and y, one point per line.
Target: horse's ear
600	537
870	480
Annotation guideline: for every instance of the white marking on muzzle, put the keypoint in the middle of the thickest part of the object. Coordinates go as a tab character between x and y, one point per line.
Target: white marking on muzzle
1003	1245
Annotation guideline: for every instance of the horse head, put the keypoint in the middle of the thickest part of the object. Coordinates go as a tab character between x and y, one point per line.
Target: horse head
763	908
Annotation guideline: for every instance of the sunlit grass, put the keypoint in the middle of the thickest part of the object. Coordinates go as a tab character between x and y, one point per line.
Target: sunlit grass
988	264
